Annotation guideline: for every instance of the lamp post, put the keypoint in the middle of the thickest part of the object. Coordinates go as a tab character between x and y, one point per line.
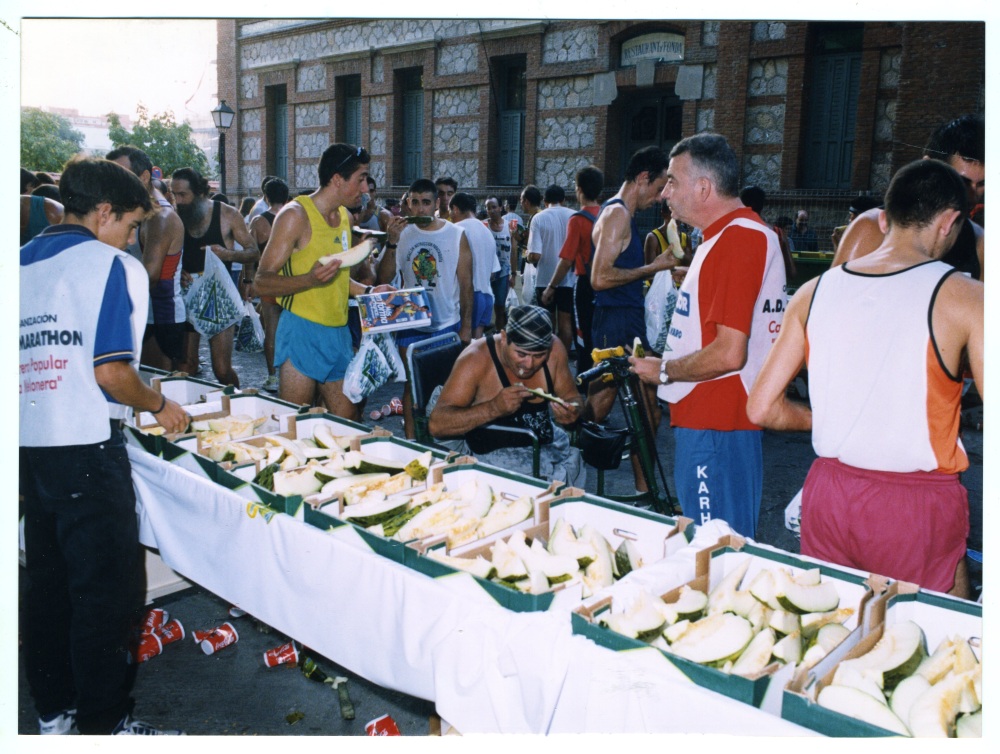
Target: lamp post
223	116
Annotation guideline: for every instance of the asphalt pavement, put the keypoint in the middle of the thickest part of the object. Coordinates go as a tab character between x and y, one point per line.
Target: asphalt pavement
233	693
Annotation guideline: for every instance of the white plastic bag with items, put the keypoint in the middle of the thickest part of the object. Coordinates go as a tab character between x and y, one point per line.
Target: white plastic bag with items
250	333
661	300
528	284
512	300
376	362
213	304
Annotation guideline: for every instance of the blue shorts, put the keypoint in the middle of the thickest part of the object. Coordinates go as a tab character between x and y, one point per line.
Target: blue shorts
618	326
500	288
408	337
319	352
720	475
482	309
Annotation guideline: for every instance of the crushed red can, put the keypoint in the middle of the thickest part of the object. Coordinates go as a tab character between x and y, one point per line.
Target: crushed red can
382	726
171	632
149	647
286	653
375	415
154	620
220	638
396	406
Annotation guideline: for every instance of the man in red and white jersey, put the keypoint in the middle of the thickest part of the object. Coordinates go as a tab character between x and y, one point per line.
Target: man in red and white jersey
886	339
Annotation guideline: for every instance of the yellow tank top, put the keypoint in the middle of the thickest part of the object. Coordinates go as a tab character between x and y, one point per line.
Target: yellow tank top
326	305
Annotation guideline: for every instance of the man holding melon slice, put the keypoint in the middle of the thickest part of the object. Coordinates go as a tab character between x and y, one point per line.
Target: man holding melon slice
313	342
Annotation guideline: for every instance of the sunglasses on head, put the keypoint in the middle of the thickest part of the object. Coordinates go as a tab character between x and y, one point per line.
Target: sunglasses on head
347	159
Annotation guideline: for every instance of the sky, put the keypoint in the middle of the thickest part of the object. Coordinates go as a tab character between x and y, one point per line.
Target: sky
136	52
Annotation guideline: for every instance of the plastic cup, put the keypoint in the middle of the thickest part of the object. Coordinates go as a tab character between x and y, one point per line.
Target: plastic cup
382	726
171	632
149	646
280	655
220	638
154	620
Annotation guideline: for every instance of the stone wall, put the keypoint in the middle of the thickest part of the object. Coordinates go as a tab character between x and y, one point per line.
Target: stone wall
457	59
311	78
465	172
450	138
762	170
560	170
316	114
555	94
569	45
456	102
562	132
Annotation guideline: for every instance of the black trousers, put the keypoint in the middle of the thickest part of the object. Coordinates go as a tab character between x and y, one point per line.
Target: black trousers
84	579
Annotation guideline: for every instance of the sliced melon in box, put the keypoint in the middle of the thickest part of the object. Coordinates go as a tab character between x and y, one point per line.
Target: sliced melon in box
762	588
324	438
814	622
830	635
296	482
340	486
784	622
689	605
478	495
896	655
756	656
861	706
855	677
969	726
805	598
934	713
906	693
627	558
503	515
563	541
375	508
600	573
640	620
715	639
434	519
789	648
420	466
676	631
720	597
477	566
510	567
290	446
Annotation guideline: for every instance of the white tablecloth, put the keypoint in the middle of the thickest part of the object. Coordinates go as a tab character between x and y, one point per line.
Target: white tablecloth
487	669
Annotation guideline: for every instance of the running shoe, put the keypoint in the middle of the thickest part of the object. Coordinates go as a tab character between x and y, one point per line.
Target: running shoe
60	724
271	383
131	727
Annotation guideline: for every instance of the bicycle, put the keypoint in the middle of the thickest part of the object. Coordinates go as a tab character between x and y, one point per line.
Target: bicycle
611	365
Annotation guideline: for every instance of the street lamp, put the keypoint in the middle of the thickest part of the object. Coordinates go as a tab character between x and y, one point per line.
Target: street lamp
223	116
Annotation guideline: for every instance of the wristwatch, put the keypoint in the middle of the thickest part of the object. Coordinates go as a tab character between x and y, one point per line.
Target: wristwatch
664	379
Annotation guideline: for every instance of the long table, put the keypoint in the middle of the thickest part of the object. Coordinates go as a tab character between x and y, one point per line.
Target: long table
487	669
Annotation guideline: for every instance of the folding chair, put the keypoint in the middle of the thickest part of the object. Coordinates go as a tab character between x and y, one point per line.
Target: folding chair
430	363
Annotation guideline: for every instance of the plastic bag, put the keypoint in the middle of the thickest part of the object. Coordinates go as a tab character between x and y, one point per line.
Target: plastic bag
376	362
661	300
250	334
793	515
212	301
528	284
512	300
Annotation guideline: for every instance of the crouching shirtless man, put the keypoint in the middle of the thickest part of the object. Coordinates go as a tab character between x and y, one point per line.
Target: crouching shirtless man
489	384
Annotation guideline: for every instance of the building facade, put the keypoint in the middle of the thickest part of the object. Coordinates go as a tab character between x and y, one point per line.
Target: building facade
814	110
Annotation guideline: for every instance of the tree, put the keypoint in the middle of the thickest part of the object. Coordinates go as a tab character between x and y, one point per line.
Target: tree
48	140
169	144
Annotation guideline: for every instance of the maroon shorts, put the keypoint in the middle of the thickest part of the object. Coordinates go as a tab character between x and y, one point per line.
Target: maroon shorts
911	527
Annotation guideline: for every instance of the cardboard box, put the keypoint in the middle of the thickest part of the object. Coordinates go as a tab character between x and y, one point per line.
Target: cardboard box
713	564
189	391
940	616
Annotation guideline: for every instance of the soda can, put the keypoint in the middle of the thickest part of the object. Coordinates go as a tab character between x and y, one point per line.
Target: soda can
397	406
386	411
155	619
171	632
286	653
200	636
221	637
375	415
149	646
382	726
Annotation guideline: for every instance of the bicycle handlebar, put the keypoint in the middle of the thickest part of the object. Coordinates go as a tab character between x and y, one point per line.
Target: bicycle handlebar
618	366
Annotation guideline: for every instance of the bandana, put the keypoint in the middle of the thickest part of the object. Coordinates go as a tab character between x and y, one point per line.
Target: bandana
529	328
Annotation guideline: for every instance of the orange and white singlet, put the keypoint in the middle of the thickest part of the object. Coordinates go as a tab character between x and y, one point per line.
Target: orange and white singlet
881	397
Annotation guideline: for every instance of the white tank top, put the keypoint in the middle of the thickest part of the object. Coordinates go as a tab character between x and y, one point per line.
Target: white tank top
685	336
429	258
881	398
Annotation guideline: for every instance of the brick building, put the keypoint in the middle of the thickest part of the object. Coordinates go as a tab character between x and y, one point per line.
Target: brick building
816	111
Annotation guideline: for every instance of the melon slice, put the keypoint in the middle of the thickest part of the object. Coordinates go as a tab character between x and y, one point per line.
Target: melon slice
627	558
857	704
970	726
563	541
352	256
757	655
805	598
503	515
600	573
689	605
896	655
906	693
934	713
720	597
789	648
509	566
855	678
375	508
477	566
714	639
296	482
